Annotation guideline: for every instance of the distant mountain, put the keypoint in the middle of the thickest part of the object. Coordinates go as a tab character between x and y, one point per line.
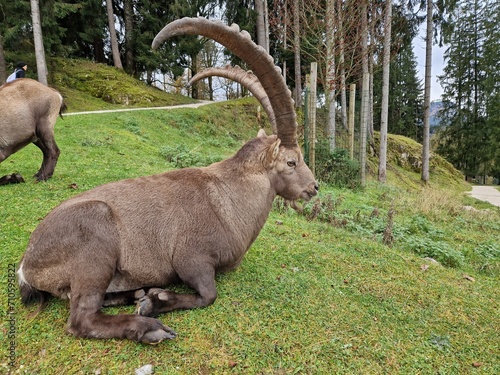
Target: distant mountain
435	108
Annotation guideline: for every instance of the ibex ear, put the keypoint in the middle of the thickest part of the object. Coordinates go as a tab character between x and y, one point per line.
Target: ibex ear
261	133
273	152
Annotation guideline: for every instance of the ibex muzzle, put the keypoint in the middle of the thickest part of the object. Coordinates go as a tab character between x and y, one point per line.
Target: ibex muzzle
117	243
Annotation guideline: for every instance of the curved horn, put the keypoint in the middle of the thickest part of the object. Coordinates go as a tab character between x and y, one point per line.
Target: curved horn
244	77
261	63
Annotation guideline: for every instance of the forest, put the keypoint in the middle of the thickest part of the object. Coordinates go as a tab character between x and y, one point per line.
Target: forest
367	43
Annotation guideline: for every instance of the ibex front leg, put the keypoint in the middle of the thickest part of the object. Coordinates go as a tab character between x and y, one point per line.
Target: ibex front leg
196	275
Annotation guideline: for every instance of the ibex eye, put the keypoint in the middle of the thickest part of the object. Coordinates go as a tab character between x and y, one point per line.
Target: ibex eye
291	163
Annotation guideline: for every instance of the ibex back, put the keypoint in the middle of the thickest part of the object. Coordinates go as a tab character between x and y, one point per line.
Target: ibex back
117	243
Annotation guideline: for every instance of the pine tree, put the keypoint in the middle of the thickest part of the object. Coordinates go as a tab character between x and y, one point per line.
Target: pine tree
492	85
464	139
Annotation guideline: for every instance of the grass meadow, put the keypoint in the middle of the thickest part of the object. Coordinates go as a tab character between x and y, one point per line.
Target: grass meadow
389	279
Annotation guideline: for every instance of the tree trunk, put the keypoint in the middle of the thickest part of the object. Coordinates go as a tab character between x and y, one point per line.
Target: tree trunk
3	65
364	91
343	84
112	32
296	51
427	94
262	24
330	70
285	25
41	65
382	165
128	16
194	69
352	112
312	116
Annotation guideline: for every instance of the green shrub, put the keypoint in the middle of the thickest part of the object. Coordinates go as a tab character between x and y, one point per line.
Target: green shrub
441	251
181	157
336	167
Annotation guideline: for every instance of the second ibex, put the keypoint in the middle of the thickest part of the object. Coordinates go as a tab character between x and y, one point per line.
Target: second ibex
119	242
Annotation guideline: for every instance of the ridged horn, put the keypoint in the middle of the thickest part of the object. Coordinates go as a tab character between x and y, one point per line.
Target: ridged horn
260	62
245	78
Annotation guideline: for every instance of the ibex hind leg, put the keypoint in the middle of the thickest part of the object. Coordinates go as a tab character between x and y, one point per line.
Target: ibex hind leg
47	144
90	280
87	320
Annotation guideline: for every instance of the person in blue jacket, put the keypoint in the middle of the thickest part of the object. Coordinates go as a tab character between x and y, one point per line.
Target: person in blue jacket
20	71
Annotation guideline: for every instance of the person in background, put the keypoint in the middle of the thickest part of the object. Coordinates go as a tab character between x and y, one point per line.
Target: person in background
20	71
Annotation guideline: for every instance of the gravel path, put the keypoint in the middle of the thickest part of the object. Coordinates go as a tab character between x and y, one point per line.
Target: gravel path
486	193
193	105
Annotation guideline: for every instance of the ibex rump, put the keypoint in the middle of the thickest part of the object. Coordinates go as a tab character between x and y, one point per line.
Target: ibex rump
28	113
114	244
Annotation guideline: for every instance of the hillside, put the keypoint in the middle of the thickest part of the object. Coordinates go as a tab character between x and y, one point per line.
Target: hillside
395	278
89	86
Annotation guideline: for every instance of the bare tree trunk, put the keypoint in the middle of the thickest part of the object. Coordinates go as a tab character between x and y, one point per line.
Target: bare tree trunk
3	65
128	17
330	70
427	94
343	84
112	32
352	111
382	165
41	65
312	116
296	51
262	24
285	25
371	131
371	63
364	91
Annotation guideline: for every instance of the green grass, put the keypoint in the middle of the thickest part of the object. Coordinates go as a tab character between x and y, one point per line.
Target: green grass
318	293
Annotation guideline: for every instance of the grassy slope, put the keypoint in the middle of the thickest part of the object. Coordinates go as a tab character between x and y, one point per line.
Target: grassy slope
321	295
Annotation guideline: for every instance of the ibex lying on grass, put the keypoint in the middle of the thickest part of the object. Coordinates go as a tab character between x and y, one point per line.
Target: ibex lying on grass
28	113
110	245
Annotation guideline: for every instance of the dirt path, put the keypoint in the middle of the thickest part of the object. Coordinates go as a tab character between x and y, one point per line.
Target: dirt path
486	193
192	105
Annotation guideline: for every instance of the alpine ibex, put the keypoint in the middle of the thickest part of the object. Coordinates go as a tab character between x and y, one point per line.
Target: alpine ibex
28	113
115	244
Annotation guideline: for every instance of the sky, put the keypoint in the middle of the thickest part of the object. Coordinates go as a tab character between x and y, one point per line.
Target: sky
437	64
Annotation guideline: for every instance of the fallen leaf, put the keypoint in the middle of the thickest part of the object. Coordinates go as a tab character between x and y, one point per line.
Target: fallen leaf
73	186
470	278
232	364
424	267
477	364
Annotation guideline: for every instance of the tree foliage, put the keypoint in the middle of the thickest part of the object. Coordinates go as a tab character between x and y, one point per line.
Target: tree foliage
78	29
470	122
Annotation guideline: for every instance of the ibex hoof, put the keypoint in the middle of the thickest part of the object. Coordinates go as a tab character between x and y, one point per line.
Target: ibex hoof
13	178
150	304
157	336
